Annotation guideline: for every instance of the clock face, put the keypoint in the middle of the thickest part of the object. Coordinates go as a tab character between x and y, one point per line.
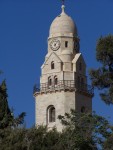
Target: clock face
55	44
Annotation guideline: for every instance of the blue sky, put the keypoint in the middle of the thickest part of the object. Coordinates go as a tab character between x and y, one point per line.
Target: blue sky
24	28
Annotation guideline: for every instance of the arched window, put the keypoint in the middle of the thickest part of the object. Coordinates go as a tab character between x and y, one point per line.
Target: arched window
49	81
55	80
51	114
52	65
83	109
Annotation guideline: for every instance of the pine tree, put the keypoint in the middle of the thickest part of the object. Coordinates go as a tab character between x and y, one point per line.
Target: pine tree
102	78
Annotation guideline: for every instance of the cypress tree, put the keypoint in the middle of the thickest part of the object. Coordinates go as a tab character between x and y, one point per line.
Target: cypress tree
5	112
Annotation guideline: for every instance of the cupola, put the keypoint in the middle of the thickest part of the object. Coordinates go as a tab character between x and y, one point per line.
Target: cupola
63	25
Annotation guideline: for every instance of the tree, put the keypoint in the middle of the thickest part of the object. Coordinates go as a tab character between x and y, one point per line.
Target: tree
7	118
102	78
108	144
5	113
29	139
84	131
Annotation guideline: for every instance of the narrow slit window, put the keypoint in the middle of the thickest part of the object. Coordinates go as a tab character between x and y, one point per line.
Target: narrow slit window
55	80
66	44
49	81
52	65
83	109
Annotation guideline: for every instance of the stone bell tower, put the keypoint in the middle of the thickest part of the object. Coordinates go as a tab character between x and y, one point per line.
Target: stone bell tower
63	81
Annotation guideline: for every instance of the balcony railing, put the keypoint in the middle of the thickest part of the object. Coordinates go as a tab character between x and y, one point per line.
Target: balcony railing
68	85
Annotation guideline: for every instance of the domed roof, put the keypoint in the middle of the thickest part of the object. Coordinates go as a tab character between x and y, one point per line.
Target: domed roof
63	24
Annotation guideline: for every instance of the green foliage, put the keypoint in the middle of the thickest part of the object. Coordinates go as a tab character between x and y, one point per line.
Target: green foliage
19	120
12	139
84	131
7	118
108	144
102	78
5	113
29	139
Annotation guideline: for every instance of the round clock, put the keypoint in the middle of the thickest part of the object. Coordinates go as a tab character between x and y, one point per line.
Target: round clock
55	44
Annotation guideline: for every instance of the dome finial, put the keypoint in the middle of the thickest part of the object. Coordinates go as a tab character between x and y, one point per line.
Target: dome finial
63	6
